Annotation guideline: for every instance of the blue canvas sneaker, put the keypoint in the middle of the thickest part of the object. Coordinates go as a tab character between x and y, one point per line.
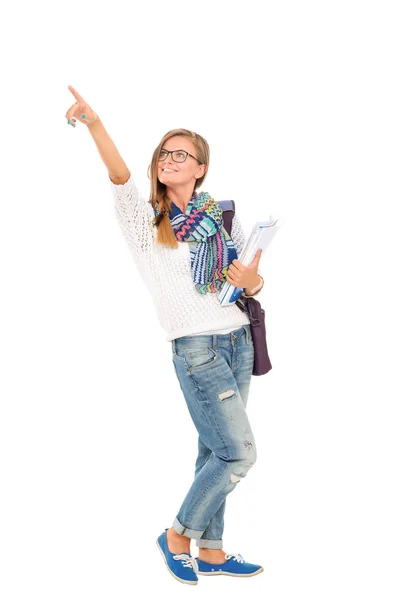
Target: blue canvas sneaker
235	566
181	566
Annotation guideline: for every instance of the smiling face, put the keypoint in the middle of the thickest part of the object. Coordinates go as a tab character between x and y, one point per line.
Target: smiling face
173	173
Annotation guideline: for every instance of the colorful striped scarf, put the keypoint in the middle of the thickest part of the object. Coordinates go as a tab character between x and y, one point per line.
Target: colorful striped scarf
211	248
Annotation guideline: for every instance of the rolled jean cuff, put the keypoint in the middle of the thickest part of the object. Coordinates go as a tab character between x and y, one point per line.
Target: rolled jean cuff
192	533
213	544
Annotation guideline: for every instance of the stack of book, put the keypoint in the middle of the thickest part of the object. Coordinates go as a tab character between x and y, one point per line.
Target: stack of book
260	238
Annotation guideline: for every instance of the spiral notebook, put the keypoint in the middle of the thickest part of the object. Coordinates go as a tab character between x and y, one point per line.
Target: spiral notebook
260	238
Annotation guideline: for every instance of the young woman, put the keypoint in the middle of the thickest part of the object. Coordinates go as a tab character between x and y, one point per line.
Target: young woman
185	255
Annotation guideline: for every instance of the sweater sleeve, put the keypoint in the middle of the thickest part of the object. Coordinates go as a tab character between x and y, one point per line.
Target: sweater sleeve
135	215
237	234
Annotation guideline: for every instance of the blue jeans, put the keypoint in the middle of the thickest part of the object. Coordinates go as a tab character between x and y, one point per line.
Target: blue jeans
214	373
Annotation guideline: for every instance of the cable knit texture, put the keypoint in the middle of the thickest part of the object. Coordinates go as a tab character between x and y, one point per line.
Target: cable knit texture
166	271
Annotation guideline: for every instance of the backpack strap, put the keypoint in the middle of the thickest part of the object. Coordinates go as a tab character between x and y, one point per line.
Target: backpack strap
228	211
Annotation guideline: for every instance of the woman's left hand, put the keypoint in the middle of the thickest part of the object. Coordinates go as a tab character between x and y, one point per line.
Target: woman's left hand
244	277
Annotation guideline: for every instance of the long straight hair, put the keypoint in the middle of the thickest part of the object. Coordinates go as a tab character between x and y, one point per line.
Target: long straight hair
165	233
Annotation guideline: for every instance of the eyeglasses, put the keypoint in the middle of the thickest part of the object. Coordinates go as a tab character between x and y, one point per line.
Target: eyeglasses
178	156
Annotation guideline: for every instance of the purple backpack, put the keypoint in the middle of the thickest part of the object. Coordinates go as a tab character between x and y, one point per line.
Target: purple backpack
251	306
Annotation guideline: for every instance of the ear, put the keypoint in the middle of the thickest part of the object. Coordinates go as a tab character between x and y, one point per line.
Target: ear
200	171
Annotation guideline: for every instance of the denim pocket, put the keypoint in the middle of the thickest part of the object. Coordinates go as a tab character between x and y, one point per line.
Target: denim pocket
200	358
196	358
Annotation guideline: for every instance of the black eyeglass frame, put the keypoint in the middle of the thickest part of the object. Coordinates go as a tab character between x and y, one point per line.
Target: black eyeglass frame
178	150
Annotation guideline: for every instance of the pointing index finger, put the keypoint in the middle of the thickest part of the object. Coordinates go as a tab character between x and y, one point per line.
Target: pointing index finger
75	93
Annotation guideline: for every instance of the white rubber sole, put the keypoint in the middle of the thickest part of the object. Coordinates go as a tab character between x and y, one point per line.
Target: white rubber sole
173	574
231	574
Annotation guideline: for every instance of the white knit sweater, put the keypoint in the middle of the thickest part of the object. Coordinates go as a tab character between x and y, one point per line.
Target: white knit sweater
166	271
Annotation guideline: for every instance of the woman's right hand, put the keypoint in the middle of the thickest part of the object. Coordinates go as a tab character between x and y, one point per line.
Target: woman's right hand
79	108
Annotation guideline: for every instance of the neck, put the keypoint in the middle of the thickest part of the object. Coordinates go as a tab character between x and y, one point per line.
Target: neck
181	195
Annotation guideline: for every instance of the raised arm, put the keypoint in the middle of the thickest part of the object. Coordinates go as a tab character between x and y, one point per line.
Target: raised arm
118	172
135	215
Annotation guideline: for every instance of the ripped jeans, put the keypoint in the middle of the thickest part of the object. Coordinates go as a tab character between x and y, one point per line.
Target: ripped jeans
214	373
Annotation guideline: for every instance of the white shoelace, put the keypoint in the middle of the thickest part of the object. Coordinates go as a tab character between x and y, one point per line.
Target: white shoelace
187	561
238	557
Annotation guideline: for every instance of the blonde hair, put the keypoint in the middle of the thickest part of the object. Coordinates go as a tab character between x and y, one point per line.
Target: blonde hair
165	233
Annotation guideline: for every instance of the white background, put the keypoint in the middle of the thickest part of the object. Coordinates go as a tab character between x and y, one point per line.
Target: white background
299	102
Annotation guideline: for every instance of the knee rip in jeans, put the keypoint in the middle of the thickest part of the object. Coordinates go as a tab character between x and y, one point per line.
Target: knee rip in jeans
228	394
247	464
